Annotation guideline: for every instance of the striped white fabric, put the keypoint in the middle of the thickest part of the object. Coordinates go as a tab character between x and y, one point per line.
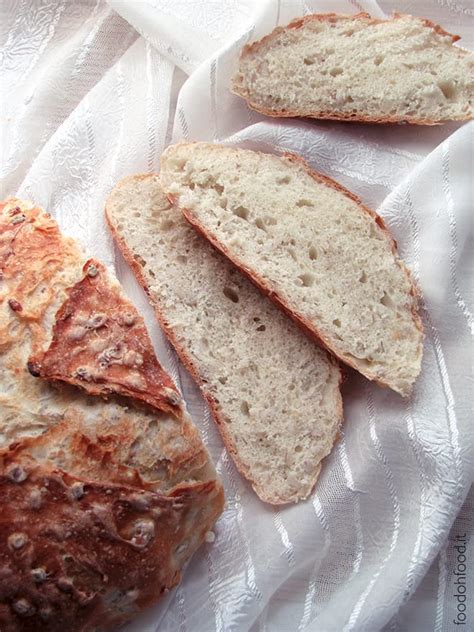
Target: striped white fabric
94	91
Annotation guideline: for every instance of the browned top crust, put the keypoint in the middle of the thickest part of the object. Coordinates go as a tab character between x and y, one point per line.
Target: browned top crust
363	15
79	555
100	344
101	503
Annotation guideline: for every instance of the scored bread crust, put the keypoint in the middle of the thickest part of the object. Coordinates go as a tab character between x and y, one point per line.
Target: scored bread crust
261	491
102	346
101	503
82	554
330	114
314	332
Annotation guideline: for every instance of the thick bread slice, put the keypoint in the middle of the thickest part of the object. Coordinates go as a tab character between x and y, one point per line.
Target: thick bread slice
312	246
101	502
274	394
353	67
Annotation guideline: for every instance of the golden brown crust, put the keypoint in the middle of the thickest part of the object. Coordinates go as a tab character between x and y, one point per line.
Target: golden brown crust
29	235
193	370
334	114
100	344
76	554
91	492
30	296
315	333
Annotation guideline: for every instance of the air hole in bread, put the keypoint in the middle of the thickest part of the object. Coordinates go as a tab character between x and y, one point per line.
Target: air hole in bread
298	448
313	253
334	72
244	407
336	322
259	223
261	328
363	277
304	202
283	180
387	301
448	89
182	259
231	294
378	59
292	253
166	224
306	279
308	61
137	214
222	380
373	231
241	212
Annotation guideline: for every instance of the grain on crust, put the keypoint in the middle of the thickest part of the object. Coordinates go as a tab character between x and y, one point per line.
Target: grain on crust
101	502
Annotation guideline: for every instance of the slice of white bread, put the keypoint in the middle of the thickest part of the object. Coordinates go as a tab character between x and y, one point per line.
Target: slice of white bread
273	392
311	245
353	67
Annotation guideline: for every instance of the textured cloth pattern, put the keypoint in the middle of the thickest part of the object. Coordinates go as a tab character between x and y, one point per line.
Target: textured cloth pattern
93	91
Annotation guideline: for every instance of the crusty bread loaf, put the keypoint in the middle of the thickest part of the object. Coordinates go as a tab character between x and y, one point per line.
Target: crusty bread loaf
311	245
274	394
353	67
101	502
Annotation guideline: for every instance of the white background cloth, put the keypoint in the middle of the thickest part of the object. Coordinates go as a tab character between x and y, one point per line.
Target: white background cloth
94	91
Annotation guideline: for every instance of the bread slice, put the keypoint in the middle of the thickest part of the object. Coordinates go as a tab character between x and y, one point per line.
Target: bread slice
354	67
312	246
274	394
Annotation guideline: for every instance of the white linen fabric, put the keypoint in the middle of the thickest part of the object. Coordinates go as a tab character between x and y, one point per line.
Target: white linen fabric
92	92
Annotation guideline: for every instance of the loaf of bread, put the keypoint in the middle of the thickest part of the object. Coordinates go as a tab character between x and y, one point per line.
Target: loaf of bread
354	67
274	394
101	501
311	245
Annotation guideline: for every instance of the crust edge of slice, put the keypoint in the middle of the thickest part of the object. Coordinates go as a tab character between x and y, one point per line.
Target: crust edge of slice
188	363
330	114
317	334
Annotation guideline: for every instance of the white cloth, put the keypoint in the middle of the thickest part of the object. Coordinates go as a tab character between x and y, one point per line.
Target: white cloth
94	91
